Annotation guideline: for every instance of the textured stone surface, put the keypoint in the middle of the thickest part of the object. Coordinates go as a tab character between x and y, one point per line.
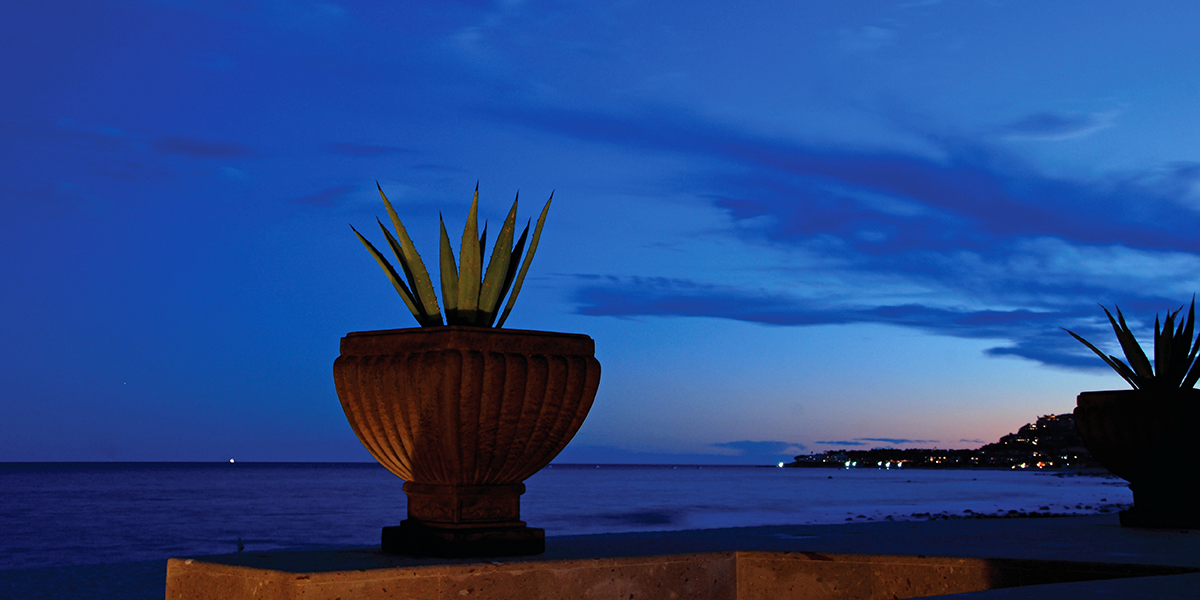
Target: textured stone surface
819	576
464	405
706	576
898	558
464	415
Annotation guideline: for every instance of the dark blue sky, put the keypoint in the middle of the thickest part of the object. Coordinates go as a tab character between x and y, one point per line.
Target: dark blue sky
788	226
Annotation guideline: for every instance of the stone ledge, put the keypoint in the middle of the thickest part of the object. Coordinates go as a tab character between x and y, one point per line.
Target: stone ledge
734	575
853	560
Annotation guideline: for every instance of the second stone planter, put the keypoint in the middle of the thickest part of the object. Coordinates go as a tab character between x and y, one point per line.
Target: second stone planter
1148	438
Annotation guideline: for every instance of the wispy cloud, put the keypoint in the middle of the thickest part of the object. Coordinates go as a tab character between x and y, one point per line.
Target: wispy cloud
288	14
310	10
211	61
1054	126
352	149
436	168
98	132
764	449
327	197
185	146
748	453
919	3
898	441
866	39
875	442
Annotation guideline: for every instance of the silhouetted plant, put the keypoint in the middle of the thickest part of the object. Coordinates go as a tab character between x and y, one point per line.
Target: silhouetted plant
470	295
1175	366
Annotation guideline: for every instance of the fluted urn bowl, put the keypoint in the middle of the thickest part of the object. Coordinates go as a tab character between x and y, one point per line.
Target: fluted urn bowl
1148	438
464	415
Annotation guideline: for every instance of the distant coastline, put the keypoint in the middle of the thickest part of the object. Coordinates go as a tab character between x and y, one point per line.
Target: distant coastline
1050	443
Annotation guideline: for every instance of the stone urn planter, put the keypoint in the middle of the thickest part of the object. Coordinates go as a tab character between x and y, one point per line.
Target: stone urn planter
1148	438
464	415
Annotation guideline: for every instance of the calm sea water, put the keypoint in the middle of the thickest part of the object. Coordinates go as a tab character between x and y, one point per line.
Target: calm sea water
57	514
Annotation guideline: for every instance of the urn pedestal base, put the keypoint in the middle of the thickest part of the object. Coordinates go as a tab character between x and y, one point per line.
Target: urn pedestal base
1163	507
415	538
463	521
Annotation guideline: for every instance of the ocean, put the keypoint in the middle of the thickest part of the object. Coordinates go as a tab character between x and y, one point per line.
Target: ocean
65	514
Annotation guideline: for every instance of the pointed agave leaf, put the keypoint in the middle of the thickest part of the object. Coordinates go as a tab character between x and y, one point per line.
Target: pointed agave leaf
1113	362
414	267
1182	342
1193	373
394	277
1192	377
1169	347
537	234
482	243
1133	352
1193	366
493	280
1124	371
471	265
449	273
514	261
399	254
1190	325
1162	348
1181	345
1164	372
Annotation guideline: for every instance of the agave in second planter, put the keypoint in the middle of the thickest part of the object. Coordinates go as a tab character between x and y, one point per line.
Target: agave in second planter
464	412
1148	435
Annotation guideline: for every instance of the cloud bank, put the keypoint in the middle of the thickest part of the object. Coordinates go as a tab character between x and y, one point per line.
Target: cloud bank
972	243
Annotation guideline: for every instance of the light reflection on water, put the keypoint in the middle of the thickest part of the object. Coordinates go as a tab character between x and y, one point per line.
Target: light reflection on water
582	499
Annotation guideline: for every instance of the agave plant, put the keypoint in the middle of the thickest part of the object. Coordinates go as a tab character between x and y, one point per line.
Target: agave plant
470	295
1175	365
